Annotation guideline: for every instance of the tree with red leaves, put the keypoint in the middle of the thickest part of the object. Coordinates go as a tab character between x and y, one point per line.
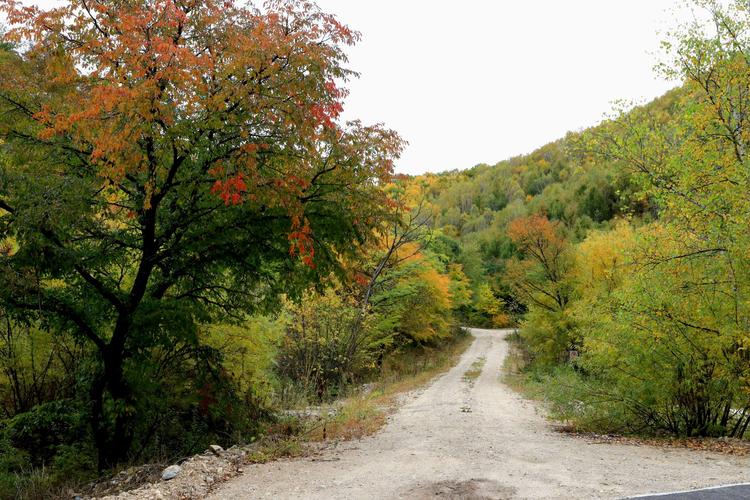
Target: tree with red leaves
169	162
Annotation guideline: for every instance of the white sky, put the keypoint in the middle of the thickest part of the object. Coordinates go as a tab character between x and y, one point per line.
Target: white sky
478	81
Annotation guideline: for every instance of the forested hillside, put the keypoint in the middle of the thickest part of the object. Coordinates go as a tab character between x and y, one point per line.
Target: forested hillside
564	181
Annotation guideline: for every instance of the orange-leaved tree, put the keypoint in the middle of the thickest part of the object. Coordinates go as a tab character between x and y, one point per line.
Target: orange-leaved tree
169	162
541	280
540	277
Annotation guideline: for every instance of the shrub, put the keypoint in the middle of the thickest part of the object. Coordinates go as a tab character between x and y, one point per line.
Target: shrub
327	344
46	429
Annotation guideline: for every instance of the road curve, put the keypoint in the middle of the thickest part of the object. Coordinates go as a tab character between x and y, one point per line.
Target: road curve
458	439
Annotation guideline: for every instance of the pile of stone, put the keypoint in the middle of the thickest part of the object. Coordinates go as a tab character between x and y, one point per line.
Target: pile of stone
192	478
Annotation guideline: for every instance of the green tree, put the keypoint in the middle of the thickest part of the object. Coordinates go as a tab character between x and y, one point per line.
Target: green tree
160	162
327	343
686	304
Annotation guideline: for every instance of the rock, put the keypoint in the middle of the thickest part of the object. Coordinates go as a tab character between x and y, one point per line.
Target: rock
216	449
367	388
171	472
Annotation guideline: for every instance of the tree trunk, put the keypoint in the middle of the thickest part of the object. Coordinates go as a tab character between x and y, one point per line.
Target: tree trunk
113	433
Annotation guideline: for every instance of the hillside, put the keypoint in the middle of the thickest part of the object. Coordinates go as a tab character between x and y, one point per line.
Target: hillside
563	180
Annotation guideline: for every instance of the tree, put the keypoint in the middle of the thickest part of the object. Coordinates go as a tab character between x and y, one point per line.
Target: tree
655	337
541	280
541	276
490	307
413	303
161	160
327	343
687	298
399	239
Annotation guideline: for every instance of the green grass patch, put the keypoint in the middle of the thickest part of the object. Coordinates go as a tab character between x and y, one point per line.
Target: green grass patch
474	371
577	402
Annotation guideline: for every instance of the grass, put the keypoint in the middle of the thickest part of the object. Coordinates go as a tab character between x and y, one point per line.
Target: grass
275	447
513	374
474	371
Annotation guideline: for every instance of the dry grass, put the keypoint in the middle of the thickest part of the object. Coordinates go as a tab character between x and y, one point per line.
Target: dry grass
474	371
274	448
512	373
365	413
359	417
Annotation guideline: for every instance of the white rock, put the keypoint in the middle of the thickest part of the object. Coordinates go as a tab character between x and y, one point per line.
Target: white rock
216	449
170	472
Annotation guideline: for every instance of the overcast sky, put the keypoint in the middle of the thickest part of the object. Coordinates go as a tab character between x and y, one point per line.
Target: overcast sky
478	81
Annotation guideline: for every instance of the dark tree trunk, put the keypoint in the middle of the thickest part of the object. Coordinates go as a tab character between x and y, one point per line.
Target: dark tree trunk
113	434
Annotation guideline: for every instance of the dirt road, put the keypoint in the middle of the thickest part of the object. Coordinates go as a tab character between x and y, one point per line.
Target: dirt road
463	439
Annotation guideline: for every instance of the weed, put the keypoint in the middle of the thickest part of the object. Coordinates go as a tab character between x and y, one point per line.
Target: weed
471	375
